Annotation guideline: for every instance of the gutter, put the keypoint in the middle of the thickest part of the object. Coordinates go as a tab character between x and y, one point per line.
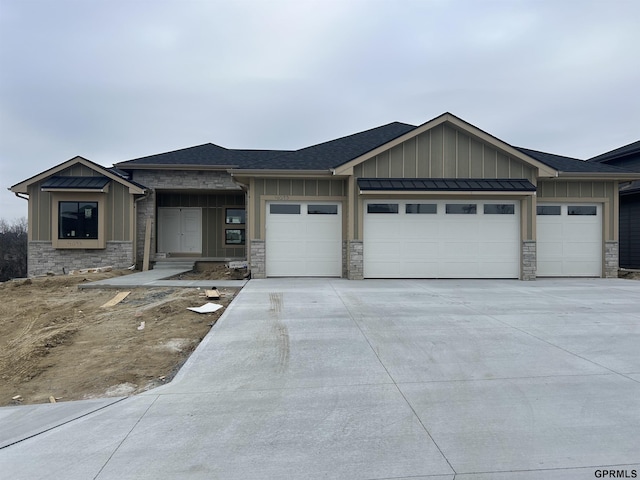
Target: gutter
599	175
17	194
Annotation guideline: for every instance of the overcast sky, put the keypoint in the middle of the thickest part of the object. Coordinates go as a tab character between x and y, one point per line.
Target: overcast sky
114	80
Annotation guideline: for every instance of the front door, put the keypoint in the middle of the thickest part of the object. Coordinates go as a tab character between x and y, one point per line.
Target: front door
179	230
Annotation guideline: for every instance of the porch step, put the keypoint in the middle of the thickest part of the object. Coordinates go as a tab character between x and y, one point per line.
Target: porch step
179	265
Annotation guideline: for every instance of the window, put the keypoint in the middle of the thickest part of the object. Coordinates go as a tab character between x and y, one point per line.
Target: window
582	210
322	209
234	236
461	208
499	209
382	208
284	209
77	220
548	210
235	215
421	208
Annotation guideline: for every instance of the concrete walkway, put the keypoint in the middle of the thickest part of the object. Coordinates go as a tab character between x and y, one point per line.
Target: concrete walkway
156	278
311	378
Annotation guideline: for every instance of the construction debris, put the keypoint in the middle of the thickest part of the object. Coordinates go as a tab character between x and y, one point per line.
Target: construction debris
206	308
213	294
116	300
52	399
141	327
83	271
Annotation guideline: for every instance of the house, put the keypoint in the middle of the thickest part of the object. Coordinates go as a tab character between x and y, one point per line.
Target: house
627	157
440	200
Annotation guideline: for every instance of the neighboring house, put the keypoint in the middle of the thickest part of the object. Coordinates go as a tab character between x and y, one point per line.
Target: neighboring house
627	157
441	200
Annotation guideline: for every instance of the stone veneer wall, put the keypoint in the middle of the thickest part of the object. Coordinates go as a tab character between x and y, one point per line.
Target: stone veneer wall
258	259
356	260
171	179
611	259
529	265
43	258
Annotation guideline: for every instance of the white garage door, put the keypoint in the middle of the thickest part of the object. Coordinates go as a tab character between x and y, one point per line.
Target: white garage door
304	239
569	240
441	239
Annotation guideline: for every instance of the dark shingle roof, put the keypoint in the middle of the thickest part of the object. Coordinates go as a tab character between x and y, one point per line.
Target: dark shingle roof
206	155
317	157
86	183
448	184
631	149
568	164
337	152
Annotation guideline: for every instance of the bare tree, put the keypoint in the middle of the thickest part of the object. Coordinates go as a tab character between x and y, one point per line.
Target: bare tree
13	249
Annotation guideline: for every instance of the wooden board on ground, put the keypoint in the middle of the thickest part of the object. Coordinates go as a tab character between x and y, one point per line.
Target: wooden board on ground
213	293
115	300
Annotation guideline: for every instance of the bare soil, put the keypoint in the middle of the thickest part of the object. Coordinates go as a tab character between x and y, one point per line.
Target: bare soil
58	341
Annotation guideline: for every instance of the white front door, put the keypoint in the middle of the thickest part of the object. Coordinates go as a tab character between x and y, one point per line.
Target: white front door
179	230
441	239
569	240
304	239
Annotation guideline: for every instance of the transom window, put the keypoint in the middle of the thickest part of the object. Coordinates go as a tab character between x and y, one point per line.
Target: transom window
78	220
284	209
548	209
322	209
582	210
499	209
421	208
382	208
462	208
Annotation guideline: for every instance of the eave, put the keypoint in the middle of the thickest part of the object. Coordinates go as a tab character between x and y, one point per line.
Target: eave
158	166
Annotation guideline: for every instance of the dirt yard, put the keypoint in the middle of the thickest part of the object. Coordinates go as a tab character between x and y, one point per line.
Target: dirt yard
58	342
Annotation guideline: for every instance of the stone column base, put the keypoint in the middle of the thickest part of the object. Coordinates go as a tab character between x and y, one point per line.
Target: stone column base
356	260
529	264
258	259
611	259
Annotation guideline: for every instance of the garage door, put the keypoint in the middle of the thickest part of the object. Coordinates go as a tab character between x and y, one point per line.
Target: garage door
569	240
304	239
441	239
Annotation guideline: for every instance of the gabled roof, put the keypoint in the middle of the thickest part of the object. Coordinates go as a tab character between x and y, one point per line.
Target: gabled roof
455	122
110	173
571	165
618	153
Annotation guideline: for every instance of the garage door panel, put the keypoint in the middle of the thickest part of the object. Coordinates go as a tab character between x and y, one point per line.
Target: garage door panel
441	245
304	244
569	245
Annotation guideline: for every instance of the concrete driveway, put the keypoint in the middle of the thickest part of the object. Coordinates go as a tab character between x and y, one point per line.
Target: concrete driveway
317	378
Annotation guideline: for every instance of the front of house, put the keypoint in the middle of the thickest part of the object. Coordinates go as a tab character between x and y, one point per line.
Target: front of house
441	200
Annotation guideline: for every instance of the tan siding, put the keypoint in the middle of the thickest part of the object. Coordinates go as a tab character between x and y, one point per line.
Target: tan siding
409	153
464	165
477	165
297	187
324	189
396	161
424	155
437	157
503	170
271	186
450	153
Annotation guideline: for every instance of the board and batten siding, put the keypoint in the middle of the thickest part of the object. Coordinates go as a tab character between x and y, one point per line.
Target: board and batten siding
566	191
288	189
444	152
213	219
118	208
